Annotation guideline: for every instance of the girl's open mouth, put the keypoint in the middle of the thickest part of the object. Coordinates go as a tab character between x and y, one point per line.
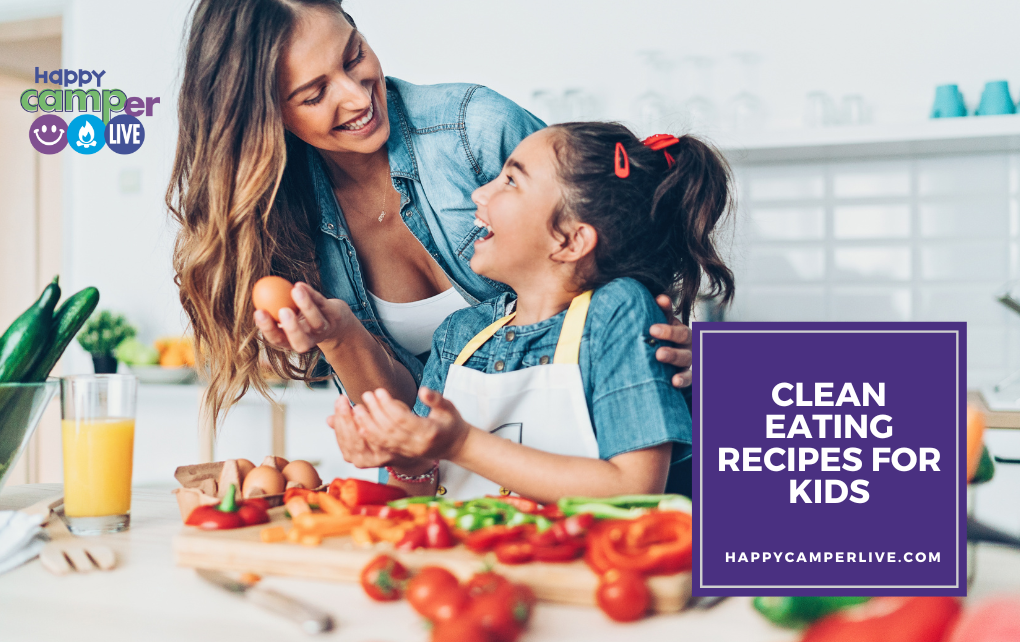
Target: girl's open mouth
488	230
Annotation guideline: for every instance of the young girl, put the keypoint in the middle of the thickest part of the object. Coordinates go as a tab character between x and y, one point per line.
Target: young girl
557	392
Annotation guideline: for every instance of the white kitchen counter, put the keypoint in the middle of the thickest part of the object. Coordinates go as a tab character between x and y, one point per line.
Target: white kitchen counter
147	598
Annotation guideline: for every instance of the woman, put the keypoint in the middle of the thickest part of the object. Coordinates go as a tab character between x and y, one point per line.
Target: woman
298	157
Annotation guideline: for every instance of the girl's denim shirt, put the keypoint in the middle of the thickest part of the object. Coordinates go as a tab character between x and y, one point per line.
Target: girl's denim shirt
631	400
445	142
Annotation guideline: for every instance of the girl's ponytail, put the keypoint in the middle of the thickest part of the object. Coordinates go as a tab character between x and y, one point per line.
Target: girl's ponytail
655	223
688	204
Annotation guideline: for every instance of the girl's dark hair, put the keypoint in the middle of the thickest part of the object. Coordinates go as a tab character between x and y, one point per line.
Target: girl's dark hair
655	225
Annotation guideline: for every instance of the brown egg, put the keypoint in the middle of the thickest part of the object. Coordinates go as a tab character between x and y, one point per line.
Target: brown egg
303	473
271	294
263	481
279	463
244	467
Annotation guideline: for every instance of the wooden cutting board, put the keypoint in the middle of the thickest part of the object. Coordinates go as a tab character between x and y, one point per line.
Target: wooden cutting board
340	559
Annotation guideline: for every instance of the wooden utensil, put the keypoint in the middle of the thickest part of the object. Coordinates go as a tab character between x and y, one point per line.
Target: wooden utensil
66	553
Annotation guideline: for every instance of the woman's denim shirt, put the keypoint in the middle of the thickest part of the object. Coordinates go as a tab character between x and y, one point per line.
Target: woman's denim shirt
631	400
445	142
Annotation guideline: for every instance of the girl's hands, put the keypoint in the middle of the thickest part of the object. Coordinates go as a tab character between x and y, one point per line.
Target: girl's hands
387	424
355	448
320	320
679	334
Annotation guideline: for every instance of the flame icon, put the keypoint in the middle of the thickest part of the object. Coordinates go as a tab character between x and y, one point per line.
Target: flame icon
86	135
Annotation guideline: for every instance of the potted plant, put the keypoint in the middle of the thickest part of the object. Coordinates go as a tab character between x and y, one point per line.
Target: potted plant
101	336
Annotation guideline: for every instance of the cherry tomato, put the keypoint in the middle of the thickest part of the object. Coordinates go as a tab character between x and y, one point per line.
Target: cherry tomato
383	578
623	595
459	630
505	612
484	583
447	604
252	514
423	587
515	552
496	615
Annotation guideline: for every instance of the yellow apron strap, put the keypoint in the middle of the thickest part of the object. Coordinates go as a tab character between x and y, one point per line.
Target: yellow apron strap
569	345
481	338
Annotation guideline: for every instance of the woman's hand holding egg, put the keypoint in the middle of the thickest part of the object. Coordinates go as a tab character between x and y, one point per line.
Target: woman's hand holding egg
306	318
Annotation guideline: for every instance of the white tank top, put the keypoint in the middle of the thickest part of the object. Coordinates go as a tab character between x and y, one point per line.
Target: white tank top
413	324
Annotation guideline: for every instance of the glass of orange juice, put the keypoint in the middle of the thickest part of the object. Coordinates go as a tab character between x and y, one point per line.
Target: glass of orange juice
98	431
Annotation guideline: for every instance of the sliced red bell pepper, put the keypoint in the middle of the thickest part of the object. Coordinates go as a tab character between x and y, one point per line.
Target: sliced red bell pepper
572	527
515	552
358	492
657	543
560	552
520	503
486	539
437	531
551	511
414	538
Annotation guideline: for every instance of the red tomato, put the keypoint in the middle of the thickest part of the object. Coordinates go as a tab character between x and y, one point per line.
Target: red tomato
426	585
497	615
623	596
484	583
459	630
515	552
447	604
383	578
904	619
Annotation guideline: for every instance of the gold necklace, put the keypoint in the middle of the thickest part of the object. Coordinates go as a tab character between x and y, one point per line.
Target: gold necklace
382	214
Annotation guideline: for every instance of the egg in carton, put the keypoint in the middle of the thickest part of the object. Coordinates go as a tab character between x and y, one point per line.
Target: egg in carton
206	484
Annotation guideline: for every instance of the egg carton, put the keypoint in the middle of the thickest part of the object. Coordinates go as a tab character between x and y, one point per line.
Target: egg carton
206	484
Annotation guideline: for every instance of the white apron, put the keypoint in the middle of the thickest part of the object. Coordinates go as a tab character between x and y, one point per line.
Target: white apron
543	406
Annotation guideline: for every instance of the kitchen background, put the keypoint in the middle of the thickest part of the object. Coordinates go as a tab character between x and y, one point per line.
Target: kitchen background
853	204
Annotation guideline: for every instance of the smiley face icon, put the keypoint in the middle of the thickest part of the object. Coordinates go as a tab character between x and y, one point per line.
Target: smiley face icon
48	134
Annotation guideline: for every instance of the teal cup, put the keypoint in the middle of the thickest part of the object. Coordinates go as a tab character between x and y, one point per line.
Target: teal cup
948	102
995	100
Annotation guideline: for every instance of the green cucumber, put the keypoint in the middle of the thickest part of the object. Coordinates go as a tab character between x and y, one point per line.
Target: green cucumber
26	340
67	321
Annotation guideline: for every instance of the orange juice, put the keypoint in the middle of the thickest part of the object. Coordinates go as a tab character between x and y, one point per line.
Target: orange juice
97	466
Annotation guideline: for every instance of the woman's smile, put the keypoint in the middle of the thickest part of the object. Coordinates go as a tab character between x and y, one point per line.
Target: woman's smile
364	124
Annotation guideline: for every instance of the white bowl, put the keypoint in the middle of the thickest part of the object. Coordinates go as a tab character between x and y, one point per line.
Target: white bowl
159	374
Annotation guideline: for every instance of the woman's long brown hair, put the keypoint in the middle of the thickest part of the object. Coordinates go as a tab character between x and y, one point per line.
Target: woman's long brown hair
244	204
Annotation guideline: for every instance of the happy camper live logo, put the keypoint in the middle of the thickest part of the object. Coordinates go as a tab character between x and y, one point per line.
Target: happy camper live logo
67	91
830	458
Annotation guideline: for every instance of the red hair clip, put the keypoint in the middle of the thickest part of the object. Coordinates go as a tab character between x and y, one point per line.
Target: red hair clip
622	167
662	142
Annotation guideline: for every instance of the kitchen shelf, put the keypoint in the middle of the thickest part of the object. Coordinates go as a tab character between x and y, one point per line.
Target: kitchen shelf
934	137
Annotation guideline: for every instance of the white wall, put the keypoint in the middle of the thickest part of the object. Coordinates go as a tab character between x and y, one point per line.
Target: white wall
894	53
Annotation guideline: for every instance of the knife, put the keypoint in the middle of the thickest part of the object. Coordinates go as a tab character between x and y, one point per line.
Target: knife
311	619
